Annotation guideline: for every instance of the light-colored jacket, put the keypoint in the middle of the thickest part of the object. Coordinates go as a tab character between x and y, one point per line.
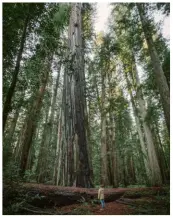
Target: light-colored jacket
101	193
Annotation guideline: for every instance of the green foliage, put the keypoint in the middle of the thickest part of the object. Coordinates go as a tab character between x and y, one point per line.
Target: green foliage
18	200
14	208
166	66
11	172
14	15
136	186
61	16
165	7
146	193
29	175
81	211
152	203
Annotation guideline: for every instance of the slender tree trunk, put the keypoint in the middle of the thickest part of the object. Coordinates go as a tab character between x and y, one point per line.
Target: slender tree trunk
113	150
31	157
43	150
140	132
159	74
7	105
142	142
32	121
104	161
161	156
162	148
109	151
18	147
153	159
114	155
132	170
42	158
7	148
54	103
11	130
90	150
124	175
57	157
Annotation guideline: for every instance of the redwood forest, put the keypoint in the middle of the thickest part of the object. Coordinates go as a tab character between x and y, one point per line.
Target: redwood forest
84	108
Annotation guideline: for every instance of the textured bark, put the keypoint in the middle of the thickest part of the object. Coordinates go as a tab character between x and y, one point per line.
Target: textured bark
7	105
157	67
77	83
69	129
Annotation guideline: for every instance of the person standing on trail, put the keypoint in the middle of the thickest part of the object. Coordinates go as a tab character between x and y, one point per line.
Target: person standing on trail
101	196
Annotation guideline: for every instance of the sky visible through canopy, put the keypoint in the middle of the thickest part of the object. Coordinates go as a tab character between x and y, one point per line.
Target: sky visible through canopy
101	24
104	10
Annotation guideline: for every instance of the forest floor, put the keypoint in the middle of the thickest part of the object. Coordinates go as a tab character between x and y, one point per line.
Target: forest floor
111	208
141	206
40	199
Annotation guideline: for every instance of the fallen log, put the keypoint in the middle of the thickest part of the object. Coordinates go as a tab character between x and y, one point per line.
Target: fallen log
41	195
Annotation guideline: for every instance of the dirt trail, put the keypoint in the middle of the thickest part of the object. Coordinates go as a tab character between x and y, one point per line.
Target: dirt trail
111	208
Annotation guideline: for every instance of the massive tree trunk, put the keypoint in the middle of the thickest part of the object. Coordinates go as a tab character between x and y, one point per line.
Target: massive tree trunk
31	122
7	105
159	74
77	94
